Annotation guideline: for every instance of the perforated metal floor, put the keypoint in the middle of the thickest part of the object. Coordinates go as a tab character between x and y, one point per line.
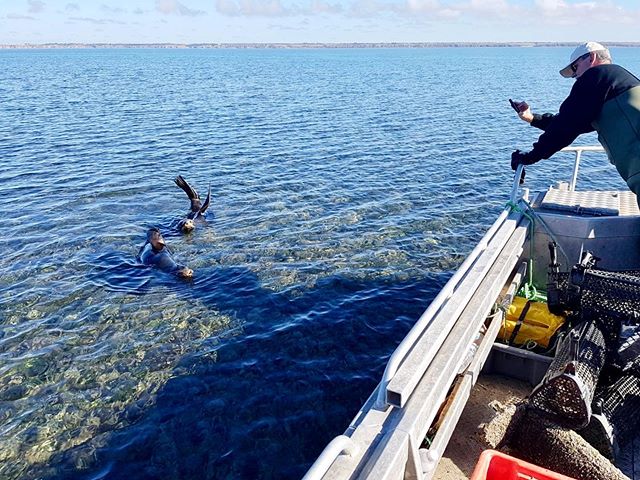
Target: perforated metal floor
591	203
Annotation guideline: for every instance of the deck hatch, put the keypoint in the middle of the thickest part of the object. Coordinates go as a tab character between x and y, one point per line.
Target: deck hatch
583	202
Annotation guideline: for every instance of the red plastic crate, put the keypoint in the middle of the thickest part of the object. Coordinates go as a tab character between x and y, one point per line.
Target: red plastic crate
494	465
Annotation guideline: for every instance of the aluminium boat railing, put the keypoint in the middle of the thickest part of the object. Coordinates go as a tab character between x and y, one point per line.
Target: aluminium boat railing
576	164
338	446
384	397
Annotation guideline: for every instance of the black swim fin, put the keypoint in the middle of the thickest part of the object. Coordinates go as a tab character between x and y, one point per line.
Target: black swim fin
191	193
188	189
206	203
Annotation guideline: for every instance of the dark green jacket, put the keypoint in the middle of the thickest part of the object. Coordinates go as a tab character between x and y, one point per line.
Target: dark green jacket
618	127
606	98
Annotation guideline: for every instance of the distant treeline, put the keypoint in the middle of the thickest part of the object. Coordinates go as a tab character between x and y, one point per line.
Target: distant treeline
308	45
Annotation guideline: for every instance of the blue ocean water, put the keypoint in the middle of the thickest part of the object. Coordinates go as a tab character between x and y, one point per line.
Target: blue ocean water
347	185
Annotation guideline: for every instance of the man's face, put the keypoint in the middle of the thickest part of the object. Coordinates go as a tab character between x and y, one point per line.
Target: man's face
581	65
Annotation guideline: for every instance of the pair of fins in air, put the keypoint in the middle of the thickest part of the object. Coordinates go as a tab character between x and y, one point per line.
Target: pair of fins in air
155	251
198	208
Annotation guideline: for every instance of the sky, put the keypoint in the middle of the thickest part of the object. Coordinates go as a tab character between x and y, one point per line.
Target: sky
324	21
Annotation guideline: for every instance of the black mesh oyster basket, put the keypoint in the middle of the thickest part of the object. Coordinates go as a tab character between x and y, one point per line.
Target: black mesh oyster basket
613	298
627	356
604	304
567	389
616	416
587	286
619	403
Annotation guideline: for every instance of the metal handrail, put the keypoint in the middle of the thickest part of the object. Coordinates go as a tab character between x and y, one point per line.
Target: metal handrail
576	163
516	184
418	328
337	446
425	319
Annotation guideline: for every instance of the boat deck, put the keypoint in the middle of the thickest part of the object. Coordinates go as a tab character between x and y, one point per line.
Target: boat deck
494	392
489	397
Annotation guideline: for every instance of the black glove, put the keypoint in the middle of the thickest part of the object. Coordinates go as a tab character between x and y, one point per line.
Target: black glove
519	158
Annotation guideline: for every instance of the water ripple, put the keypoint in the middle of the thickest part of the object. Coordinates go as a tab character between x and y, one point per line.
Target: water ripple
344	193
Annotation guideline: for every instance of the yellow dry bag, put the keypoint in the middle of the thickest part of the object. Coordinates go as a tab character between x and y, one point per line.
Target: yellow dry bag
527	322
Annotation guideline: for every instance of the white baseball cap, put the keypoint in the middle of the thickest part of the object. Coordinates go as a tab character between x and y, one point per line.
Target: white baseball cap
581	50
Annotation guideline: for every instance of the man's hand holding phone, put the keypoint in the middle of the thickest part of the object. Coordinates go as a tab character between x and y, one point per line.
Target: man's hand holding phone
523	110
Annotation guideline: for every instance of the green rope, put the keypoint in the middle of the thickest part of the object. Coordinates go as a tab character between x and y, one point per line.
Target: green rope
542	223
528	289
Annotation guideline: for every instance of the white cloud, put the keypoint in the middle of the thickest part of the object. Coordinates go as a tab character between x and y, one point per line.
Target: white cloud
563	12
360	8
551	8
321	20
494	8
422	5
253	8
319	7
96	21
370	8
35	6
110	9
275	8
173	7
553	12
490	5
17	16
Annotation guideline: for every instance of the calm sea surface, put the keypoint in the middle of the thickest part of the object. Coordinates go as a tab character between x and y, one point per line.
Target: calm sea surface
347	186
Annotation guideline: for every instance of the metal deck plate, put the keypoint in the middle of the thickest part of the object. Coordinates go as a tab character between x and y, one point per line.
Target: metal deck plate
591	203
628	204
583	203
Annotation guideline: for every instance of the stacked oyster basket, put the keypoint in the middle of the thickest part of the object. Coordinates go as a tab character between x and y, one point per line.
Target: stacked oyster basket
593	383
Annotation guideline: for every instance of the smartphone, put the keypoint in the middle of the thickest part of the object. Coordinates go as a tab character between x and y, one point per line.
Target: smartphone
514	106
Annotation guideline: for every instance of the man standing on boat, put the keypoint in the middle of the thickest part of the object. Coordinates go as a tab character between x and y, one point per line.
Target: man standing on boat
604	98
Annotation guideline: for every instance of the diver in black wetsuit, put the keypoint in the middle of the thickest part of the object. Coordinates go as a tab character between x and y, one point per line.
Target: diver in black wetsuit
154	252
604	98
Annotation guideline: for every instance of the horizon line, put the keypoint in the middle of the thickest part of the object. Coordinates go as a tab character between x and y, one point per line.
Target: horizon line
300	44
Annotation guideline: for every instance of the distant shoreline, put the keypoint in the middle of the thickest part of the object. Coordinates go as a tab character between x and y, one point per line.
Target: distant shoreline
34	46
